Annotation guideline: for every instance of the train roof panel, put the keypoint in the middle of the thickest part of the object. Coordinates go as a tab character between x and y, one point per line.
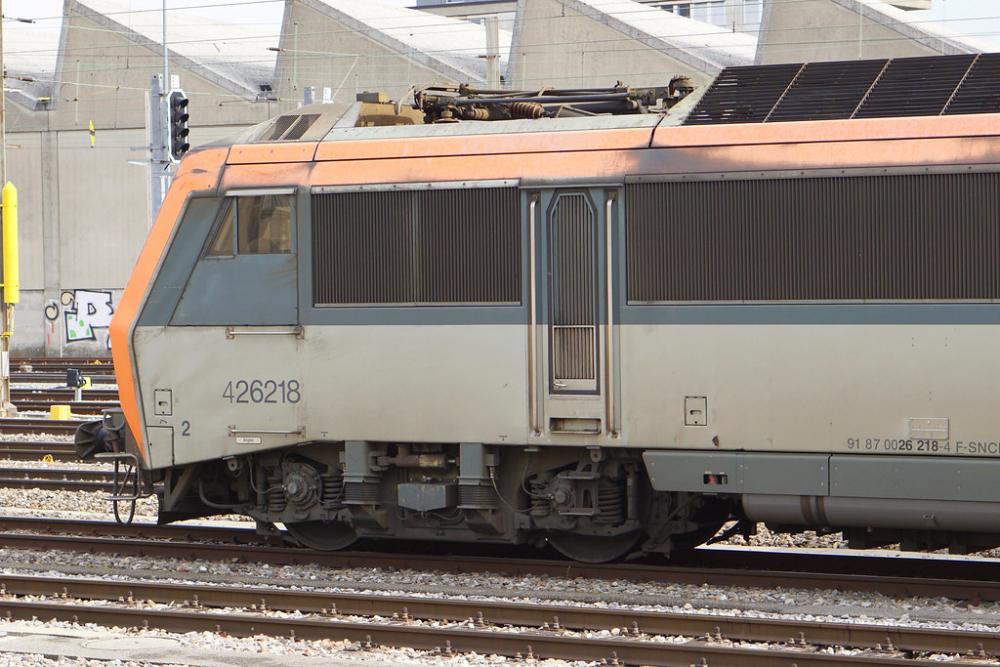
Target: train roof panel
502	127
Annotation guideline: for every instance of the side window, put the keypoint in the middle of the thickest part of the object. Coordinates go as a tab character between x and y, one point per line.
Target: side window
264	224
222	244
258	225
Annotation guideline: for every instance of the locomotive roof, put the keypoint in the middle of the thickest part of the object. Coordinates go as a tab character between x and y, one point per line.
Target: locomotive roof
504	127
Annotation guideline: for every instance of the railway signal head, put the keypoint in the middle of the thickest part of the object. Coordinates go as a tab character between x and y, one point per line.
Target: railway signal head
178	108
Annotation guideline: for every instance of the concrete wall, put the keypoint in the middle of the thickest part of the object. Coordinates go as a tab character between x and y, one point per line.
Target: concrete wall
320	51
114	72
557	46
818	30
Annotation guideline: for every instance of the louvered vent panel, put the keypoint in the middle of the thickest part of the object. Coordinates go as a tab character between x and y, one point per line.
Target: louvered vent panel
926	86
915	86
417	247
281	125
363	248
914	237
300	127
573	252
980	92
469	246
742	94
827	90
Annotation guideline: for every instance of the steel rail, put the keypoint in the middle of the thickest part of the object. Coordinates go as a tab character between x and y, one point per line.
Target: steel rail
32	425
55	377
77	407
897	576
497	612
62	394
447	639
37	450
62	479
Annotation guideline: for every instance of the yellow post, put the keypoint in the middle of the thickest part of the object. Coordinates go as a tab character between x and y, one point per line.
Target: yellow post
11	269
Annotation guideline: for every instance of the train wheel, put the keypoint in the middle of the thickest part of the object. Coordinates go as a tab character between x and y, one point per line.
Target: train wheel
593	548
323	535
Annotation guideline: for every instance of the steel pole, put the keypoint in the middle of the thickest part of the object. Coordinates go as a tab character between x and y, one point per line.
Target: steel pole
6	407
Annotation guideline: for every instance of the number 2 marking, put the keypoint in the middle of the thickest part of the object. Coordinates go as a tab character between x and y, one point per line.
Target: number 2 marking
185	428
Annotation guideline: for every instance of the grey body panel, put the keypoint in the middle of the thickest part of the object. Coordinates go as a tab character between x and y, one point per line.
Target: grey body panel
240	290
915	478
798	474
840	476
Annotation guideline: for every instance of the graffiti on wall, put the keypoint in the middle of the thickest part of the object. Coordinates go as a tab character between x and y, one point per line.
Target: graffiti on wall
83	312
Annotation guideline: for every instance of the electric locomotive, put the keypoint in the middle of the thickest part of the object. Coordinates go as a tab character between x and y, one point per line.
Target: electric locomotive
604	320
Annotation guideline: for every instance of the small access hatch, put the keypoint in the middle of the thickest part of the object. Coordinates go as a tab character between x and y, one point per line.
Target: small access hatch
696	411
163	402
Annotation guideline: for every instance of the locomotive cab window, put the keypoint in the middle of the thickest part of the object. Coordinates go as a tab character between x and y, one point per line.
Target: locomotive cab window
262	226
222	242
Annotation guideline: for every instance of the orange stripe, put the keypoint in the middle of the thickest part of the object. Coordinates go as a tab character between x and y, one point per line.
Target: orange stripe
253	153
485	144
199	171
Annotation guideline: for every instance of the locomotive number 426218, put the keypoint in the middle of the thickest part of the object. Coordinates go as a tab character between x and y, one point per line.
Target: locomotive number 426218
263	391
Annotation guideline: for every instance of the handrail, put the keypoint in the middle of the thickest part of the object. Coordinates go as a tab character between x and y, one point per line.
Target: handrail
298	332
533	319
609	337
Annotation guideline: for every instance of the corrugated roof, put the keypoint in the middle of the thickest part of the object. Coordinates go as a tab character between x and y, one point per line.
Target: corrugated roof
943	38
697	40
451	42
30	51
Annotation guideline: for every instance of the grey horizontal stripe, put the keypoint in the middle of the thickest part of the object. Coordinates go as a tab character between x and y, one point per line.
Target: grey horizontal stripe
414	315
886	313
743	314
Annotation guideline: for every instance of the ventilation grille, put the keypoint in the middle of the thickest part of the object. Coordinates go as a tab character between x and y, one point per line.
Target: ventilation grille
827	90
417	247
980	92
743	94
573	251
925	86
291	128
920	237
915	87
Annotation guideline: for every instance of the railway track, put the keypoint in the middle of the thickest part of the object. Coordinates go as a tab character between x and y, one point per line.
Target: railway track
63	395
37	450
57	364
56	479
34	425
103	375
739	567
483	626
91	408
